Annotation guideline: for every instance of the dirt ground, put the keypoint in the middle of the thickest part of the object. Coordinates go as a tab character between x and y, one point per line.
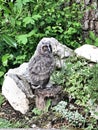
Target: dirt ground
47	120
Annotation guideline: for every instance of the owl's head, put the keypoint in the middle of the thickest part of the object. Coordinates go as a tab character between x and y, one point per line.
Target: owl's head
44	47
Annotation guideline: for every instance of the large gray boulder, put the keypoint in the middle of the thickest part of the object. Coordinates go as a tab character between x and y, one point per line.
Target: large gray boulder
15	95
89	52
12	92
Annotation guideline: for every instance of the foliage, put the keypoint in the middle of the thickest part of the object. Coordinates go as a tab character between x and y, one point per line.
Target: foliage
24	22
80	80
93	86
7	124
75	79
73	117
2	99
48	104
92	39
37	111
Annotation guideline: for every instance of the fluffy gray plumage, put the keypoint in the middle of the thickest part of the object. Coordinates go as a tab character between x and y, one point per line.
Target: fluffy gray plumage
41	65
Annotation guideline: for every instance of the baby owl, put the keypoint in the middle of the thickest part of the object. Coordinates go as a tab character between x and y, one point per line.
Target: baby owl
41	65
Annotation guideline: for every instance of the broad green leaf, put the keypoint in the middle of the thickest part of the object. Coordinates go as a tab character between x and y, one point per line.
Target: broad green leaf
28	20
36	17
18	4
22	39
6	10
25	1
9	40
88	41
33	32
1	73
92	35
5	59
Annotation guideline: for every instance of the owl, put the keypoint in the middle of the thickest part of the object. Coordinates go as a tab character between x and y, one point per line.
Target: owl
41	65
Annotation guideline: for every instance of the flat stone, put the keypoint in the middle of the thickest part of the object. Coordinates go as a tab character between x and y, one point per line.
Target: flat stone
15	96
89	52
19	70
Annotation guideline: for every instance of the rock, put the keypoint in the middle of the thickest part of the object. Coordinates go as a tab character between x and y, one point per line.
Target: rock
91	25
16	75
89	52
86	15
86	2
86	25
19	70
15	96
16	91
60	51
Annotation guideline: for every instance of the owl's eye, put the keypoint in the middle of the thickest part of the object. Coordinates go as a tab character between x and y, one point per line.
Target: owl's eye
45	48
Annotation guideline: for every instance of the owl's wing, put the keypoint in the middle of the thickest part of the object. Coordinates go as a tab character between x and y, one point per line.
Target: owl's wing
40	69
34	65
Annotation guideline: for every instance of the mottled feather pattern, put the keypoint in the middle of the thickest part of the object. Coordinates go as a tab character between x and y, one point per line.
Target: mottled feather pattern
41	66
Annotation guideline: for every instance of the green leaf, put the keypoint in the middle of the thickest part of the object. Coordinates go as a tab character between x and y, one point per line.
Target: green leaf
4	123
88	41
2	99
5	59
10	41
22	39
48	103
96	42
92	35
28	20
36	17
33	32
1	73
37	111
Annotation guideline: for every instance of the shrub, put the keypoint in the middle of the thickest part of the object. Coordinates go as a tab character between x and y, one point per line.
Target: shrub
78	79
24	22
